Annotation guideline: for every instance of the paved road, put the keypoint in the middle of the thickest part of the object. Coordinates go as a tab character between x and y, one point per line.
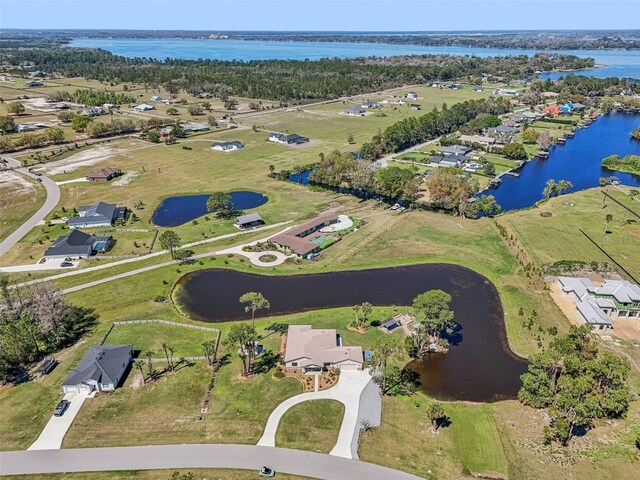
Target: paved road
53	197
348	391
295	462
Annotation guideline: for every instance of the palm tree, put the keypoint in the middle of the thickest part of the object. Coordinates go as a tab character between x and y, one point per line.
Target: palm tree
607	219
168	353
210	351
139	365
149	354
255	301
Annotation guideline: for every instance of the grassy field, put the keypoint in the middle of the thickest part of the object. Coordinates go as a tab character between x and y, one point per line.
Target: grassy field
20	197
150	336
312	426
557	237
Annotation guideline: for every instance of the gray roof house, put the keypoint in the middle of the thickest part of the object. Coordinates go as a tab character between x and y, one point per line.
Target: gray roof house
77	244
449	160
503	130
454	150
369	104
100	370
249	220
99	214
355	111
287	139
227	146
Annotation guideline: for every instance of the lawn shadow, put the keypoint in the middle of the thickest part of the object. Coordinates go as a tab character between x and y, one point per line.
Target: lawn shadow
266	362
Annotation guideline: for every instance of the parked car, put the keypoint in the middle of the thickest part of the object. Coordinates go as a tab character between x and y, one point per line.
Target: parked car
39	180
61	408
66	264
267	472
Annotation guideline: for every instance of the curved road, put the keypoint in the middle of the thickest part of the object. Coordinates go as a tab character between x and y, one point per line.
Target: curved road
53	197
249	457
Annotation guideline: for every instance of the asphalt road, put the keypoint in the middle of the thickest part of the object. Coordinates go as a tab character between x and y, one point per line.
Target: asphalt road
53	197
249	457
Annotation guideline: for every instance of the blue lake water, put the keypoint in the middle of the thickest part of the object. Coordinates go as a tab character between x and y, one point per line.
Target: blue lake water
578	161
621	63
174	211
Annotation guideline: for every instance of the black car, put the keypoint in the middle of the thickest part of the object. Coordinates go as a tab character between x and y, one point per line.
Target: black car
61	408
66	264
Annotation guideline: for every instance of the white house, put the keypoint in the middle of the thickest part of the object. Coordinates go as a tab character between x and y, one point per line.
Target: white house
227	146
287	138
143	107
356	111
412	95
315	350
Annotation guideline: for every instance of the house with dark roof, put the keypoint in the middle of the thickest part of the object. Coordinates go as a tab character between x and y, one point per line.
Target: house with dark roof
249	220
100	370
77	244
92	111
369	104
445	161
227	146
34	83
301	240
415	106
104	174
454	150
99	214
287	139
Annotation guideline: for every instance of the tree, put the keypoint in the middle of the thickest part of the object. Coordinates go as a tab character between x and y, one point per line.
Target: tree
272	169
230	104
242	337
80	122
221	203
450	191
55	135
432	308
549	189
172	111
7	124
366	308
350	140
15	108
392	180
384	349
435	412
489	169
139	365
206	105
195	110
177	131
514	151
254	301
544	140
607	220
576	383
529	136
170	240
149	354
486	205
153	136
168	353
210	351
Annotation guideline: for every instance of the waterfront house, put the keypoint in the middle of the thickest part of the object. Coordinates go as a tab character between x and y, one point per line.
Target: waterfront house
104	174
249	221
287	138
227	146
100	214
316	350
77	244
355	111
100	370
301	240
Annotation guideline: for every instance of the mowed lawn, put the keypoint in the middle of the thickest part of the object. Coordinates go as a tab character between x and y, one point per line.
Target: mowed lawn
312	425
145	337
549	239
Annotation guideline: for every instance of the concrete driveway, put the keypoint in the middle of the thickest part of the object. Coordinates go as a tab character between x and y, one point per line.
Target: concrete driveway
54	431
53	264
361	399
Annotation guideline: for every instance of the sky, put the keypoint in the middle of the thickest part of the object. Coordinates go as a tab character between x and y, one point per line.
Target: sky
321	15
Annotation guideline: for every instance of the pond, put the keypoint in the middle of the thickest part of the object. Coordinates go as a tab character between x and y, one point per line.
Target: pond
578	160
174	211
479	367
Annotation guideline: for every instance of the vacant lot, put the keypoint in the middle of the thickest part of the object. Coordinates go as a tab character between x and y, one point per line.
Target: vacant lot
20	197
311	425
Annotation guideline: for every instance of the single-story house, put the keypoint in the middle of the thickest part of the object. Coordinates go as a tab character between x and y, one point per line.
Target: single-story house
92	111
355	111
486	141
34	83
23	127
395	101
37	74
412	95
101	369
298	239
369	104
157	98
390	324
592	314
478	88
77	244
316	350
143	107
62	106
249	220
191	127
503	130
415	106
550	94
454	150
506	91
100	214
227	146
287	138
445	161
104	174
455	86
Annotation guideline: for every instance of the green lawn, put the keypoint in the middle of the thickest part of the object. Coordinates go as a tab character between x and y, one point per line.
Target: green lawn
312	425
150	336
20	198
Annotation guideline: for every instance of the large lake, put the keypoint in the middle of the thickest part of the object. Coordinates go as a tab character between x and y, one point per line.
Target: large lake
578	160
480	367
622	63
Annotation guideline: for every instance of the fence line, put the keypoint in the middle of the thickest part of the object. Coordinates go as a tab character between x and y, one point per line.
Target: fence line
163	322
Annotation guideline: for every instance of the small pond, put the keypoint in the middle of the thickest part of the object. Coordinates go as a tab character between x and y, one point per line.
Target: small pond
480	367
174	211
